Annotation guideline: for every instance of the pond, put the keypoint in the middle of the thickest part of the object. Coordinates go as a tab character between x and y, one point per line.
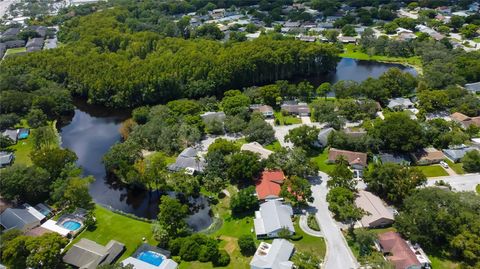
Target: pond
93	130
90	133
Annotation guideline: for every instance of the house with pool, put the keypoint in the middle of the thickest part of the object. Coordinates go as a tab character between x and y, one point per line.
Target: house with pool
150	257
68	225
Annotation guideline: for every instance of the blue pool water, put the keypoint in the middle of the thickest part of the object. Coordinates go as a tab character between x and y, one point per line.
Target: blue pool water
150	257
71	225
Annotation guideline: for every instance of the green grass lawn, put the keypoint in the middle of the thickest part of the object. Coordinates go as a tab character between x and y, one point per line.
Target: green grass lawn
457	167
286	120
114	226
22	151
353	51
478	188
321	159
275	146
314	245
15	51
439	261
433	170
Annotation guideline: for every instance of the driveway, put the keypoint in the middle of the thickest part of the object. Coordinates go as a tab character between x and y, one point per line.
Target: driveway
466	182
339	255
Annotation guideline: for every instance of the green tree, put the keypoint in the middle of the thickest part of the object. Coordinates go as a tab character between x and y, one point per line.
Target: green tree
456	22
471	161
53	159
246	243
243	166
304	136
172	215
76	193
305	260
45	137
341	203
324	89
36	118
234	102
25	184
348	30
296	189
244	201
390	27
365	240
45	250
469	30
341	176
260	131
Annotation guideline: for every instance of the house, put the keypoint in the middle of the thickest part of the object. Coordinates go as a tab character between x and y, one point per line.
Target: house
473	87
87	254
23	218
6	158
156	258
3	49
428	156
347	39
273	256
401	253
406	36
35	44
269	185
267	111
306	38
393	158
378	214
188	160
355	132
217	13
11	32
323	136
357	160
455	155
291	24
400	104
255	147
272	217
18	43
294	108
41	30
209	116
12	134
465	120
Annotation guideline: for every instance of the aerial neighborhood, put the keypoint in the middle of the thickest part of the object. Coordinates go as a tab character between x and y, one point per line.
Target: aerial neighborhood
262	134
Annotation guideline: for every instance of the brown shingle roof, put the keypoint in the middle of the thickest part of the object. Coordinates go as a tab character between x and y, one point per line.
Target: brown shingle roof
401	254
351	156
459	117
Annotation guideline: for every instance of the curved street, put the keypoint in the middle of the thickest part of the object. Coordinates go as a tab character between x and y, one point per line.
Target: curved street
339	255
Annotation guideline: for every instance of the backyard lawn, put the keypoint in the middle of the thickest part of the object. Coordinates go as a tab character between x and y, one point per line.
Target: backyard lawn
353	51
286	120
433	170
15	51
114	226
22	151
321	159
457	167
275	146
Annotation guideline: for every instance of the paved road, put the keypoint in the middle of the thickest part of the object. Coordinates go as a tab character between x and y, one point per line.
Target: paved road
466	182
339	255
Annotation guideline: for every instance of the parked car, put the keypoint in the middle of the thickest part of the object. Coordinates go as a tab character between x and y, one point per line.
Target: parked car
444	164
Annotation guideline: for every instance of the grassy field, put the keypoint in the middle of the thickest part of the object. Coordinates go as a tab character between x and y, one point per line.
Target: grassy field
457	167
15	51
22	151
433	171
275	146
286	120
114	226
321	159
353	51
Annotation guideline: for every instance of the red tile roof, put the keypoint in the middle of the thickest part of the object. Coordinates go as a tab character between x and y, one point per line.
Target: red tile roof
269	184
401	254
351	156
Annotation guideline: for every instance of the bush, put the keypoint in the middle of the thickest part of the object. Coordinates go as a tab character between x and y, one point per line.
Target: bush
189	250
223	259
247	245
296	237
312	223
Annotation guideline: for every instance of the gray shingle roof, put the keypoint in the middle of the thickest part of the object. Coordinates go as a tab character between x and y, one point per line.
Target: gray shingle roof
323	136
456	154
272	216
188	159
17	218
89	255
474	87
6	158
273	256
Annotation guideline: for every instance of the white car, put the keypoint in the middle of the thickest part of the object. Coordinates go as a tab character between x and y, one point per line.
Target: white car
444	164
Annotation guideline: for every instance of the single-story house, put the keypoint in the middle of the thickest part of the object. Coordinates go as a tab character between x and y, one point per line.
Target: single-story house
323	136
188	160
400	104
307	38
377	215
273	256
211	115
87	254
455	155
12	134
11	32
18	43
465	120
6	158
41	30
256	147
347	39
355	132
150	257
473	87
357	160
393	158
401	253
22	218
272	217
267	111
269	185
294	108
35	42
428	156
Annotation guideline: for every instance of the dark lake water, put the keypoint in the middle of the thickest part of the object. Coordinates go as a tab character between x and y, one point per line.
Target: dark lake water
93	130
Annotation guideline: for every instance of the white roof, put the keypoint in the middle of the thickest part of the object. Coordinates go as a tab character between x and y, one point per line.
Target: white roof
272	216
273	256
139	264
257	148
52	226
34	212
476	140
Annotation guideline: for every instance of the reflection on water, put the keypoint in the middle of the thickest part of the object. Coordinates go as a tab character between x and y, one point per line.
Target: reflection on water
93	130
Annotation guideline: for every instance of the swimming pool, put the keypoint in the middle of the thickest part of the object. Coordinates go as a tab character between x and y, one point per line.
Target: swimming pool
151	257
71	225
